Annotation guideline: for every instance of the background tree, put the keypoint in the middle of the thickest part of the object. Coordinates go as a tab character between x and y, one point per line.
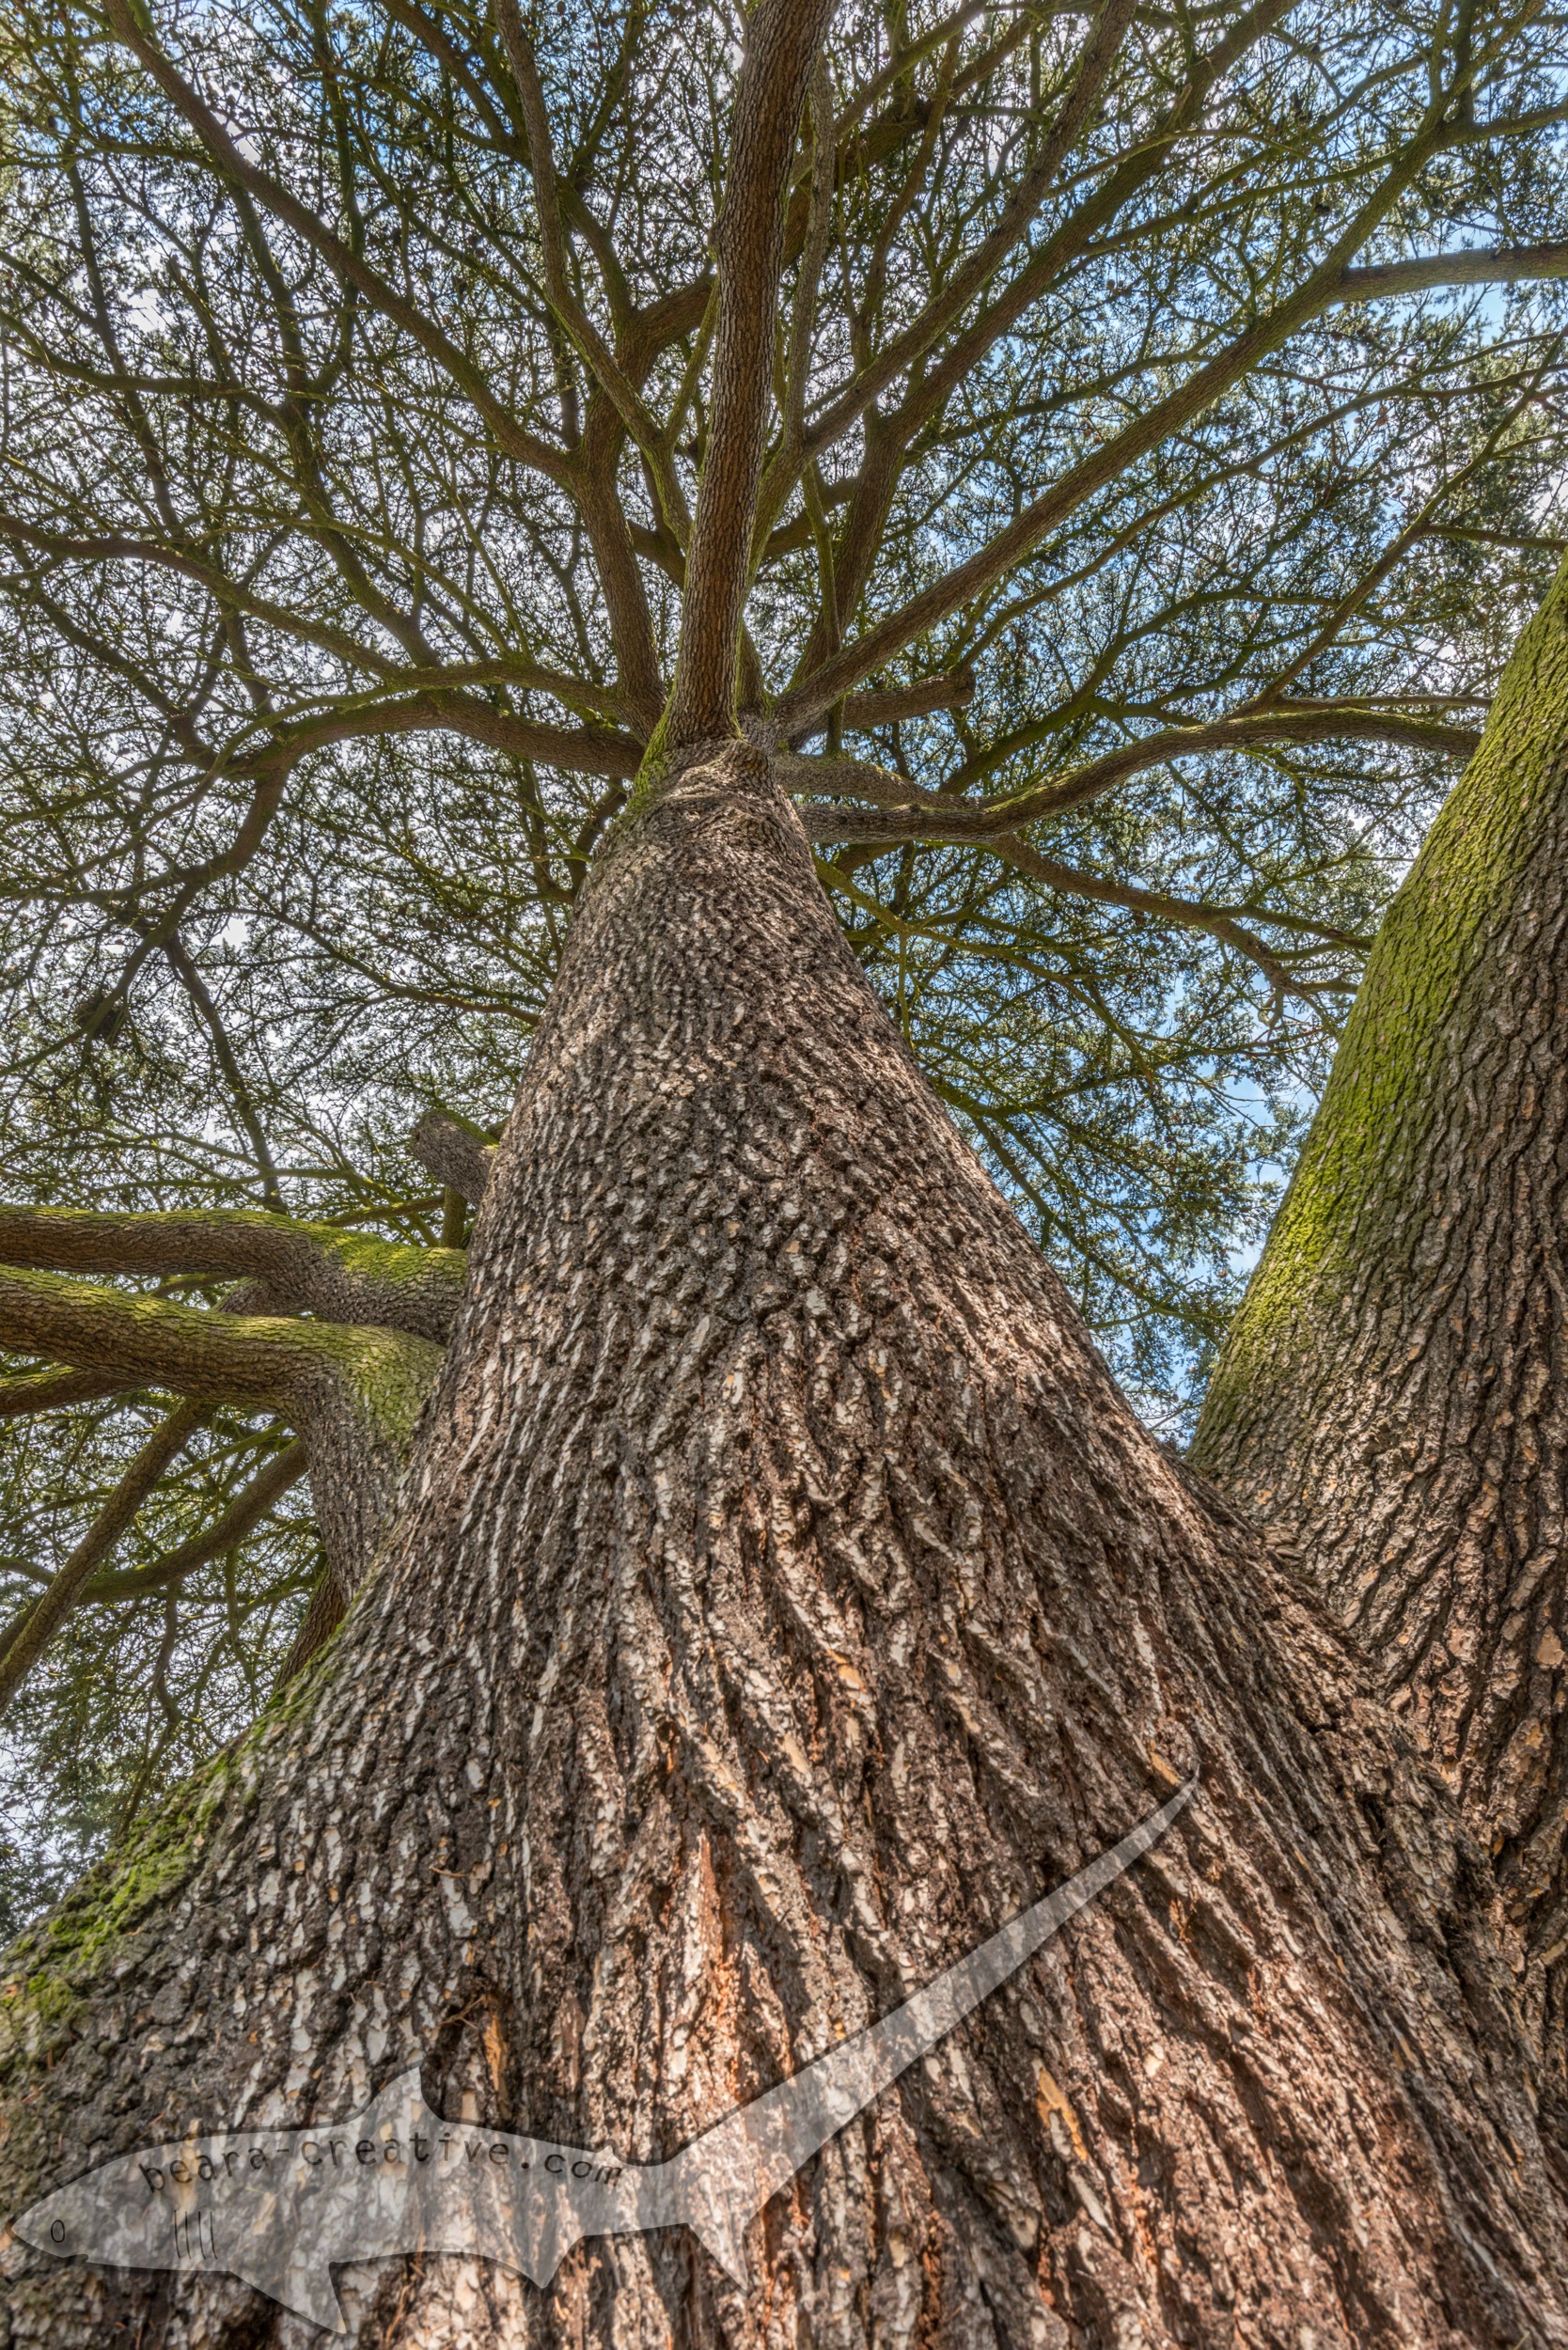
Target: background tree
1087	422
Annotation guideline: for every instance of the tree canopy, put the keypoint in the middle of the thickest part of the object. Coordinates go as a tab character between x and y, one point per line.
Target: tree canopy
1158	453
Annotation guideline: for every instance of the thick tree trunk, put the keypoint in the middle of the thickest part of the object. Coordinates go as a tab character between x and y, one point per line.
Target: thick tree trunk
1393	1396
785	1597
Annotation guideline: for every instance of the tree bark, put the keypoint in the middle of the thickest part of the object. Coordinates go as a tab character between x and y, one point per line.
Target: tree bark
1393	1395
783	1597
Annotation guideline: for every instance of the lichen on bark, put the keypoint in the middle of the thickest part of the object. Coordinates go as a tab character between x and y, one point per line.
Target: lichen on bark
1345	1204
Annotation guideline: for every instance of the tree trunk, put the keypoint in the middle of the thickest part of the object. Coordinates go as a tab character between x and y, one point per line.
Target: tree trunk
783	1598
1393	1395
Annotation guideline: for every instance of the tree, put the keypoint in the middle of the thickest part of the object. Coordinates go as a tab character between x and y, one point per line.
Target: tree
382	929
778	1586
1388	1395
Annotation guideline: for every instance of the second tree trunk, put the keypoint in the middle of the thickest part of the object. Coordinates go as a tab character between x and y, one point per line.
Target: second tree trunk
1393	1396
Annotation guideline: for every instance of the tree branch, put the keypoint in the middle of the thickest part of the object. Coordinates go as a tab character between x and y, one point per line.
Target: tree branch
1482	265
968	579
53	1391
241	1518
905	812
345	264
782	40
455	1154
348	1277
29	1638
184	970
1074	882
354	1392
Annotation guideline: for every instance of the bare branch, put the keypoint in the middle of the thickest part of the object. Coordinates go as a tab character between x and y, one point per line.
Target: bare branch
454	1152
782	40
195	987
990	563
29	1638
621	393
1073	881
1105	35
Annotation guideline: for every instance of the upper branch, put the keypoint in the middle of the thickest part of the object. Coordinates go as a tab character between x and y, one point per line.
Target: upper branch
1485	265
782	40
346	264
905	812
819	691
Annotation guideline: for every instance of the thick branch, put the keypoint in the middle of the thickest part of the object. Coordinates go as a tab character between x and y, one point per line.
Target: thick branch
455	1154
53	1391
580	750
315	1268
248	1360
782	40
884	705
355	1393
241	1518
1486	265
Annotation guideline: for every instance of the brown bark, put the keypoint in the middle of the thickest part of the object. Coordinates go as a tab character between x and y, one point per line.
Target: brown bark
1391	1396
454	1154
785	1596
782	38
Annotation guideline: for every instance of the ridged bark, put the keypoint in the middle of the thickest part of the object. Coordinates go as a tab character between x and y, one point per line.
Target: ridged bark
784	1597
1393	1395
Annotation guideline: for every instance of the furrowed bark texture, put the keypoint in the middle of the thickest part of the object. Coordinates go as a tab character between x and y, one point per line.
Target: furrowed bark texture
1393	1395
785	1597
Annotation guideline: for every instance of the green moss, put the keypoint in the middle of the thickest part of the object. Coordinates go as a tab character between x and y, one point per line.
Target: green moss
52	1968
389	1372
47	1973
648	780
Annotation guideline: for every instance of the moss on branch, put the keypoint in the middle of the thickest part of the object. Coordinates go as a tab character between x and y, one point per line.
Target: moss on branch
316	1268
266	1360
